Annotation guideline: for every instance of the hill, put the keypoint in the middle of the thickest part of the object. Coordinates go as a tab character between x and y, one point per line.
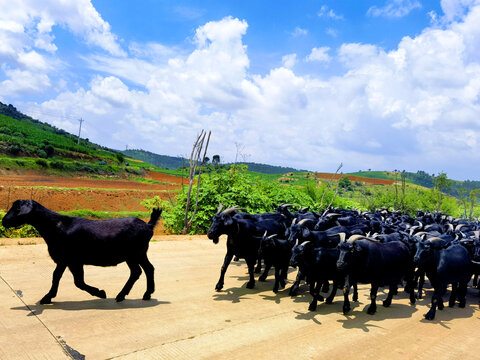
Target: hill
175	162
423	179
26	143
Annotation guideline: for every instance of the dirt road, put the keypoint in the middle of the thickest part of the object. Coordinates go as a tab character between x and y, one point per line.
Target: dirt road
187	319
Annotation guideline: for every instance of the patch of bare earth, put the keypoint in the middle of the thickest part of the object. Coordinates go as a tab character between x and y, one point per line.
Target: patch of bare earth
75	193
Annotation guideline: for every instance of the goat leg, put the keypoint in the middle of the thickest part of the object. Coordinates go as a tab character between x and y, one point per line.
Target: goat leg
223	270
57	275
77	272
453	295
391	291
251	272
294	289
135	273
373	296
149	272
263	277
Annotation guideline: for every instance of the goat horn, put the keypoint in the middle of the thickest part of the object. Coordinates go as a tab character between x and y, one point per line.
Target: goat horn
467	240
294	221
265	234
459	226
477	234
342	236
231	209
435	239
272	236
296	242
303	221
220	207
287	205
305	243
354	238
475	262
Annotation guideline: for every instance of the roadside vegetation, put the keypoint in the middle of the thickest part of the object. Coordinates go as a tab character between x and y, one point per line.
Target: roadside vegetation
236	186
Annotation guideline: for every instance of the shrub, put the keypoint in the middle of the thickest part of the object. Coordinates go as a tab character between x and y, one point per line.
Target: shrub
42	154
41	162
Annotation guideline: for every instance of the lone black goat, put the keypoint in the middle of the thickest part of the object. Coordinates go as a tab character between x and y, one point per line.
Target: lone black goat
73	242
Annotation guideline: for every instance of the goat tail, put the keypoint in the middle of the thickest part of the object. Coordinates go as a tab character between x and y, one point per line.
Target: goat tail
156	213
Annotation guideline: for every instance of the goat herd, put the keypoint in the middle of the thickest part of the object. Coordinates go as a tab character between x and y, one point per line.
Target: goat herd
380	248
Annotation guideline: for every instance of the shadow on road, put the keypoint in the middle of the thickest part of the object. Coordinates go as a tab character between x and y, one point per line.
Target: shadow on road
96	304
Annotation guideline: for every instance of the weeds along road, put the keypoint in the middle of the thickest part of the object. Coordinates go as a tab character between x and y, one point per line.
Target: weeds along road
187	319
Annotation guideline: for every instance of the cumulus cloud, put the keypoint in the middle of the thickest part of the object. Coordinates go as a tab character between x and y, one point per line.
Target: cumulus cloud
394	8
28	46
319	54
413	107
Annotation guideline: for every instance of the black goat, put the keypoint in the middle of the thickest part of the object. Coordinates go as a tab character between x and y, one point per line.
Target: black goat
444	266
275	252
74	242
319	265
379	264
243	241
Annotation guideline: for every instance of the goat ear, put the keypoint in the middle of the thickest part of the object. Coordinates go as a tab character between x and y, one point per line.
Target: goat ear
228	221
357	247
25	207
305	232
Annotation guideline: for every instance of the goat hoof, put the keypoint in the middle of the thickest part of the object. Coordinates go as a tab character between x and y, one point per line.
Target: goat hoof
430	315
461	304
218	287
292	292
312	307
250	285
386	303
258	270
451	304
262	278
275	291
147	297
371	310
355	298
120	298
102	294
346	310
329	301
46	300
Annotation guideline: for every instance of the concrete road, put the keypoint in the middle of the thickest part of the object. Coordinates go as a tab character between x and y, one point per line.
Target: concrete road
187	319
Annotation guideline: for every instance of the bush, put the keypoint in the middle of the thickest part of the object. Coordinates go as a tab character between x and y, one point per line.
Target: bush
233	187
21	232
42	154
41	162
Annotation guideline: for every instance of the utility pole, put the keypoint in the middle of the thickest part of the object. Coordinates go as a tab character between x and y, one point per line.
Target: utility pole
80	130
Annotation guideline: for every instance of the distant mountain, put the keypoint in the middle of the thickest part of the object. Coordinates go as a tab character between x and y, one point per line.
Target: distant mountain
423	179
164	161
174	162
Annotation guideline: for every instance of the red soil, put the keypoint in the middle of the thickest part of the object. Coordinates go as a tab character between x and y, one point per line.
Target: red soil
329	176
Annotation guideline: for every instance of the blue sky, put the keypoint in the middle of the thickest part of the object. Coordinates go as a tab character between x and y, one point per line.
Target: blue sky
389	84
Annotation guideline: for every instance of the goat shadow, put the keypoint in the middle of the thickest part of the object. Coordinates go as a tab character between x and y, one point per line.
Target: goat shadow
93	304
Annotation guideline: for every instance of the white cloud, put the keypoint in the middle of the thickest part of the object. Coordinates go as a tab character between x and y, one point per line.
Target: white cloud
418	103
289	60
328	13
319	54
299	32
27	44
394	8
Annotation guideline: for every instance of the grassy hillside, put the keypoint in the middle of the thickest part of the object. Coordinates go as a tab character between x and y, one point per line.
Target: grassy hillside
29	144
423	179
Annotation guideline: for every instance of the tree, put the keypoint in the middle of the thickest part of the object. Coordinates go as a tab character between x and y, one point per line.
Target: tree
441	184
216	160
194	164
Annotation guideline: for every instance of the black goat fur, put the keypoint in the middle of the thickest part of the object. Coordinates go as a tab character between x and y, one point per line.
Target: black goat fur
74	242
